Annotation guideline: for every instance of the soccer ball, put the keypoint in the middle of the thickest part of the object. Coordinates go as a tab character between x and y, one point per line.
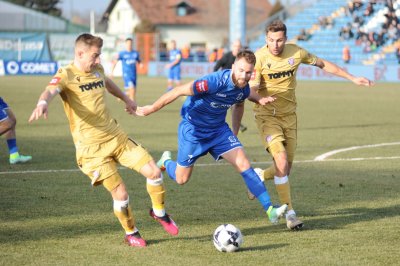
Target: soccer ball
227	238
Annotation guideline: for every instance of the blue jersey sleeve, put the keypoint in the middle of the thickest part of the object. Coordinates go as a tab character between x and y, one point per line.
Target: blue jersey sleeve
206	85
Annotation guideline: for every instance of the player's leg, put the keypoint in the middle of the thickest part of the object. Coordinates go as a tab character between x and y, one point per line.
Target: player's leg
170	80
137	158
189	150
131	90
103	170
282	187
10	122
238	159
123	210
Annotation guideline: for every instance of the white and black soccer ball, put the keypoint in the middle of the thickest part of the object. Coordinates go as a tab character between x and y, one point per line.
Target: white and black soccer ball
227	238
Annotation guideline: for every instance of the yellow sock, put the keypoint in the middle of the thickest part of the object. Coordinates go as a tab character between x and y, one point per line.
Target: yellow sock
125	216
156	190
283	188
269	173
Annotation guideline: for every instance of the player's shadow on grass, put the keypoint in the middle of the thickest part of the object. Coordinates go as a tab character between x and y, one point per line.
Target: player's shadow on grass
345	217
208	239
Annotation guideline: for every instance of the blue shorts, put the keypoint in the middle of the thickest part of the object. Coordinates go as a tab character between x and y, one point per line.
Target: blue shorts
3	108
129	81
174	73
194	143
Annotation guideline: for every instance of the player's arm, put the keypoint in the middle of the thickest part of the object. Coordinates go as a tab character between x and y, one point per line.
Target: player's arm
176	61
256	98
130	106
167	98
340	72
43	103
237	115
114	63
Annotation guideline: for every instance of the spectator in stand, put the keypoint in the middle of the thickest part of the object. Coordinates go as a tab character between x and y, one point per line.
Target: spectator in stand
369	10
220	53
360	36
346	56
185	52
212	57
303	36
346	33
398	54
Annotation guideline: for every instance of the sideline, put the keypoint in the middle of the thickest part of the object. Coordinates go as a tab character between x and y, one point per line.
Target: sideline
322	157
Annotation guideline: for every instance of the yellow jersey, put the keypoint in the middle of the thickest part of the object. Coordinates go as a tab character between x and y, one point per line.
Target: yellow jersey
276	76
84	104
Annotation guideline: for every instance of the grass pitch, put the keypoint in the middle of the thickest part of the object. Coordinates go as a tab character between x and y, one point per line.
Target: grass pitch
350	202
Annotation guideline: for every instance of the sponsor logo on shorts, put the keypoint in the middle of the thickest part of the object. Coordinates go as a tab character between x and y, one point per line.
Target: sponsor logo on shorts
201	86
54	81
234	141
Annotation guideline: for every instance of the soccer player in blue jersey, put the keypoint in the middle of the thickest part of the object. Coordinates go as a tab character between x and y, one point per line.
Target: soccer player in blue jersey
7	128
203	128
129	58
174	66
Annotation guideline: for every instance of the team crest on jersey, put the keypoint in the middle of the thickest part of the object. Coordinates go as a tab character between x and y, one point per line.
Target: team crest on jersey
269	65
78	78
54	81
268	138
60	70
97	74
201	86
291	61
239	97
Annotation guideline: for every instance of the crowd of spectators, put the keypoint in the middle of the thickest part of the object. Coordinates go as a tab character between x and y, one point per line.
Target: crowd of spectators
371	39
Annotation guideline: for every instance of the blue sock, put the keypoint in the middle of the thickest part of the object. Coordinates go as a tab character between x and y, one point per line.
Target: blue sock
256	187
12	145
170	167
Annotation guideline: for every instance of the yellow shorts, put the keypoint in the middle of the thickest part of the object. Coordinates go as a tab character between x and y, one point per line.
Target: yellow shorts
99	161
278	133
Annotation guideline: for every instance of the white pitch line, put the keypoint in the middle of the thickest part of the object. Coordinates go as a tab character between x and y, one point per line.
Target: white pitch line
322	157
204	165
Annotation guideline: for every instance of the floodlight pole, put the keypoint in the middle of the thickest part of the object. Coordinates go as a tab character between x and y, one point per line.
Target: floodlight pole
237	21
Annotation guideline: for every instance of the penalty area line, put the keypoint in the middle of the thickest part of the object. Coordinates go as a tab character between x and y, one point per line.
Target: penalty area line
207	165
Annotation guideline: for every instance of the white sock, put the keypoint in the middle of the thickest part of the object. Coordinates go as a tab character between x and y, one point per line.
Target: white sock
290	212
159	213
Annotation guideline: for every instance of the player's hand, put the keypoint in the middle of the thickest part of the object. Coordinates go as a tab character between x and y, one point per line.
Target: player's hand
144	110
130	106
363	81
40	110
266	100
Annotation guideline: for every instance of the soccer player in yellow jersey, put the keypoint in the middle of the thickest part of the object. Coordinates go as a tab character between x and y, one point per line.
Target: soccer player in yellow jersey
99	141
275	76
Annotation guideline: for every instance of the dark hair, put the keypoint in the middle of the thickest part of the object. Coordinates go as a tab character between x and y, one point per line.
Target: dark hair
247	55
89	40
275	26
129	39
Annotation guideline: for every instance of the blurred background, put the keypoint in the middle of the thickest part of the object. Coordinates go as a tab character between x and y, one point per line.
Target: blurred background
37	36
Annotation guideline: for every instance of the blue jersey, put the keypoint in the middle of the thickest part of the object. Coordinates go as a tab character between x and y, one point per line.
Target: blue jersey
173	55
213	95
129	60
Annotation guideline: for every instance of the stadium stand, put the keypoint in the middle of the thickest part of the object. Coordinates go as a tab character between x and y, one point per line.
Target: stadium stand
370	41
